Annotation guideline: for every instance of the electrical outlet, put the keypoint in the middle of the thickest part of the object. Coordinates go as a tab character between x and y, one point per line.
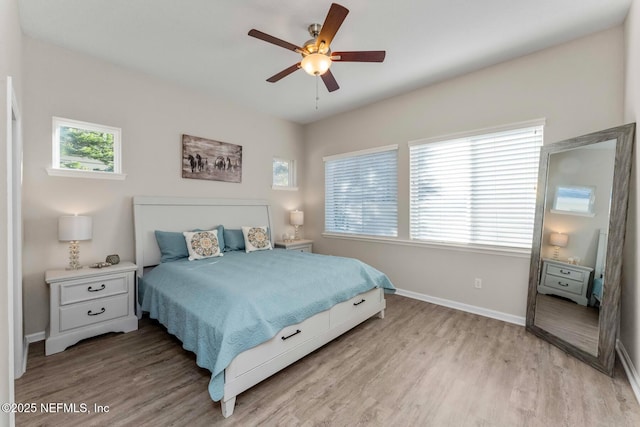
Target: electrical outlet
477	283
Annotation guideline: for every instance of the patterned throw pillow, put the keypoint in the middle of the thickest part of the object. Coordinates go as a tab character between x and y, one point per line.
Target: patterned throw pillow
256	239
202	244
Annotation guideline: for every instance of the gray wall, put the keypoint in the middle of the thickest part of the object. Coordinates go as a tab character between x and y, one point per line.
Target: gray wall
153	115
630	316
576	93
10	65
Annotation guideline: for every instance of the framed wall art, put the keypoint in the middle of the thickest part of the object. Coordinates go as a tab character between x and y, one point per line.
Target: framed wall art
212	160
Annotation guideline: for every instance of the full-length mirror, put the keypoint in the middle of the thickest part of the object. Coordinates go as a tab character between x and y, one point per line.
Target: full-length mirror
574	285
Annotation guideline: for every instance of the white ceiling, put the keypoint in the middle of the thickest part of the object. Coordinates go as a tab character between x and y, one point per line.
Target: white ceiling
204	44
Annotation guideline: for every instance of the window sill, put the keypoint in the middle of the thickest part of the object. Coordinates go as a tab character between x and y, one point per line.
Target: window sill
492	250
70	173
281	188
587	214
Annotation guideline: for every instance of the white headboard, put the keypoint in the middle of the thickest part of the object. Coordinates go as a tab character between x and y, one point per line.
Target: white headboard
188	213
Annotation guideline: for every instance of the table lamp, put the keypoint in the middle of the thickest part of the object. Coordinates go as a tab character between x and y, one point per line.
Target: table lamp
296	218
72	229
558	240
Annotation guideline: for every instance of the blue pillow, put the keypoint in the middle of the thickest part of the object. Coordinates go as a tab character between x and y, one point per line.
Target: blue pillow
234	240
174	247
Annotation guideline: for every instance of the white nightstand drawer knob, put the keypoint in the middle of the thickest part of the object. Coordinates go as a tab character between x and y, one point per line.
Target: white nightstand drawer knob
101	288
91	313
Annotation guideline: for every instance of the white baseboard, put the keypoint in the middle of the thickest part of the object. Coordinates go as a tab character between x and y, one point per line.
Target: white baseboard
505	317
632	374
35	337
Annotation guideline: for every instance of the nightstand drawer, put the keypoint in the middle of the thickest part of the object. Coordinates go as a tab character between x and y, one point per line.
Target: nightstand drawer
88	290
563	284
566	273
90	312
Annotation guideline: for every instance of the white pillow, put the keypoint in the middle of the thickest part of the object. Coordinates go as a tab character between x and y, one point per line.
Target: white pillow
256	239
202	244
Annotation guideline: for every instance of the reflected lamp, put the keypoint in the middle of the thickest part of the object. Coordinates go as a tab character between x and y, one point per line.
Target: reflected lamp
558	240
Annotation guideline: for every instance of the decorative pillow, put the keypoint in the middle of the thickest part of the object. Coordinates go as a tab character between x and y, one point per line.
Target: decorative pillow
202	244
234	240
256	239
172	245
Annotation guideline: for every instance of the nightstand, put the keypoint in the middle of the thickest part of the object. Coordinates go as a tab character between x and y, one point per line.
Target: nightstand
566	280
88	302
301	245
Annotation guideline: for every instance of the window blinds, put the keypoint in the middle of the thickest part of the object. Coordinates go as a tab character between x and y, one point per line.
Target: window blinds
477	189
361	192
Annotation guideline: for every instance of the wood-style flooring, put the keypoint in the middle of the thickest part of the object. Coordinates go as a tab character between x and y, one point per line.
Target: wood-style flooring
423	365
572	322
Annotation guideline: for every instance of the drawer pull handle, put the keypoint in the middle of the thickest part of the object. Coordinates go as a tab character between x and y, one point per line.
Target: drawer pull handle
564	271
91	313
295	333
359	302
90	289
563	284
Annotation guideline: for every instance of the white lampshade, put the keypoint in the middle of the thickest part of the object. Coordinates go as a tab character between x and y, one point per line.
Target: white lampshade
74	227
558	239
296	217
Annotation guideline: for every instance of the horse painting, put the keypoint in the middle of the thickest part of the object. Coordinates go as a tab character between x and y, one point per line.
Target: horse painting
226	159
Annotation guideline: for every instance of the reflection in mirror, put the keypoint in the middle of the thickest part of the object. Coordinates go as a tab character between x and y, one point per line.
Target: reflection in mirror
581	180
574	200
574	289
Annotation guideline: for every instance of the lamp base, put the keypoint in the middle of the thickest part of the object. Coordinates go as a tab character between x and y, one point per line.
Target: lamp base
74	255
297	232
556	253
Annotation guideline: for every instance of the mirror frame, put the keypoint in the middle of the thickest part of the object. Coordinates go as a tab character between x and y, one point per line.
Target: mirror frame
609	316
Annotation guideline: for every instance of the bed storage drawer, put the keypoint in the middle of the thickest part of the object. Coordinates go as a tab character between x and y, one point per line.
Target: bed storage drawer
91	312
83	290
288	338
362	302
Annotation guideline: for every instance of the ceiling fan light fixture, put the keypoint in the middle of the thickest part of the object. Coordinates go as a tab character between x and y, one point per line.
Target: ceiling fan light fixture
316	64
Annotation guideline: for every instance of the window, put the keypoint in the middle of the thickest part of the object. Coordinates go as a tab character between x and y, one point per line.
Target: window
361	192
574	200
476	188
85	150
284	174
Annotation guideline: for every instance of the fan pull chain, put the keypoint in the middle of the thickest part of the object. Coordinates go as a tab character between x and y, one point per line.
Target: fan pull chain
317	97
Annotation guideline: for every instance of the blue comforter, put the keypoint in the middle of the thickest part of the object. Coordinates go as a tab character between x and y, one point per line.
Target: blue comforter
220	307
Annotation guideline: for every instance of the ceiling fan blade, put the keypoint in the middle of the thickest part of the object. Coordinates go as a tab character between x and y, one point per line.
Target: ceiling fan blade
330	81
332	23
359	56
274	40
283	73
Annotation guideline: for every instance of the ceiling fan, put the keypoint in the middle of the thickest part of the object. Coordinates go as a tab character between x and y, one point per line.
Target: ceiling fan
316	53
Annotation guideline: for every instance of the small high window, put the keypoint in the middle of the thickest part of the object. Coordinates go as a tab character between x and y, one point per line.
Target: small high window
284	174
87	150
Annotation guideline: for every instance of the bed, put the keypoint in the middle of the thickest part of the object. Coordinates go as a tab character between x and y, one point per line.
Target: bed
598	277
246	316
